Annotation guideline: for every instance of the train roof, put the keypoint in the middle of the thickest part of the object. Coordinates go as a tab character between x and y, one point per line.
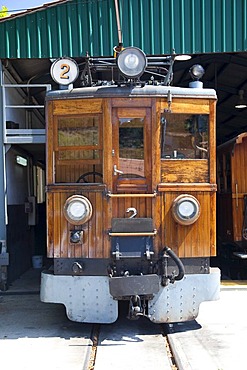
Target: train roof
236	140
130	91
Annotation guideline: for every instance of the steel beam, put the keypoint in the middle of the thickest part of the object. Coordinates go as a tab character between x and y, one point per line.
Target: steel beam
3	192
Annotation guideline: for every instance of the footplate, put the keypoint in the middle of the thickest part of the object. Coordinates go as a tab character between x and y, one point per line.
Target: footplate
134	285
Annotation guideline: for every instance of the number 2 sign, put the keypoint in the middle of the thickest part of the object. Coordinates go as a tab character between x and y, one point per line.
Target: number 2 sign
64	71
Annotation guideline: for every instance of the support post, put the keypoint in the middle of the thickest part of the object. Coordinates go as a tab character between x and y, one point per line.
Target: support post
4	257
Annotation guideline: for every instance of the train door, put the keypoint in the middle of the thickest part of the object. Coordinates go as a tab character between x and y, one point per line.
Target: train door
132	202
132	150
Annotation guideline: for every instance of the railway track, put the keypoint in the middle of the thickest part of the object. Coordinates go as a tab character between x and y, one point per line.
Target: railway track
29	326
130	345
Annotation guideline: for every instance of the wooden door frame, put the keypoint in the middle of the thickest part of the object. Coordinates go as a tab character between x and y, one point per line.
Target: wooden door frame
133	112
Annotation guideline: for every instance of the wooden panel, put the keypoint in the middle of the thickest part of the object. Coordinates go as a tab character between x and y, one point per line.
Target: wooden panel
193	106
237	217
192	240
156	174
190	176
143	206
184	170
50	229
212	211
107	141
77	106
187	187
56	225
212	142
49	144
239	165
135	112
233	180
59	228
130	103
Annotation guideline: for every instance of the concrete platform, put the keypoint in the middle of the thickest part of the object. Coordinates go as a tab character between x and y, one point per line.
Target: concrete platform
29	282
216	340
39	335
35	335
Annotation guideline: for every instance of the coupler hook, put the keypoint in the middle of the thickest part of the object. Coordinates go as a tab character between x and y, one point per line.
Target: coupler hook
135	308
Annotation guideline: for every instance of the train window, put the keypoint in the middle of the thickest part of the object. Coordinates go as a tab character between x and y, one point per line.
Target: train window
78	131
184	136
78	149
131	147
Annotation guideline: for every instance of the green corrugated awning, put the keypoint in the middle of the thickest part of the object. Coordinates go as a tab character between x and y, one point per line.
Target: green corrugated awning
72	28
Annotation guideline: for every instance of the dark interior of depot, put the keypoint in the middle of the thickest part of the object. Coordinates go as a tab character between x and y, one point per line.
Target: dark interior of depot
224	72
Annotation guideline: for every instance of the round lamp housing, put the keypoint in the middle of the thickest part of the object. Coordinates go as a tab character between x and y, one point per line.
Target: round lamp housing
185	209
131	62
196	71
78	210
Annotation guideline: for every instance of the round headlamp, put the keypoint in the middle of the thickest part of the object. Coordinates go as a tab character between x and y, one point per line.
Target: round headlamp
131	62
196	71
77	209
185	209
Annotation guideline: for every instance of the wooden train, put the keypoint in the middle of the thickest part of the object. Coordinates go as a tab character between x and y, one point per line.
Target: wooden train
131	193
232	206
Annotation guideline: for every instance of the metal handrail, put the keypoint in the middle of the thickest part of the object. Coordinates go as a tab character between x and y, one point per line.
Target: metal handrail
132	195
152	233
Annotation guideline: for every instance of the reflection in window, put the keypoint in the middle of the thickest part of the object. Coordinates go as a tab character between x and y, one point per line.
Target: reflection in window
78	131
78	149
184	136
131	147
78	154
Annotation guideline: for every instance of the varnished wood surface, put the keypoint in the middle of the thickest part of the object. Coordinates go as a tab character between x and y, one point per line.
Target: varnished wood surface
232	180
77	106
168	178
187	171
193	106
94	234
197	239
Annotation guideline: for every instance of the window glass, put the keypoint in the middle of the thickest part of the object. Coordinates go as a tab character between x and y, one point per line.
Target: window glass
184	136
78	154
79	131
78	150
131	146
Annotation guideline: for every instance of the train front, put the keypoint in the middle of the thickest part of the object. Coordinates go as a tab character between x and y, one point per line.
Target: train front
131	190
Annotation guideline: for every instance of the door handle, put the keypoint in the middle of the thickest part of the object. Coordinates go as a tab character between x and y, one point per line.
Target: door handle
116	171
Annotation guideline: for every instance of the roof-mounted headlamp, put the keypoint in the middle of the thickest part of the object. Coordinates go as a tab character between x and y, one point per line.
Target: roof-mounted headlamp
131	62
196	72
